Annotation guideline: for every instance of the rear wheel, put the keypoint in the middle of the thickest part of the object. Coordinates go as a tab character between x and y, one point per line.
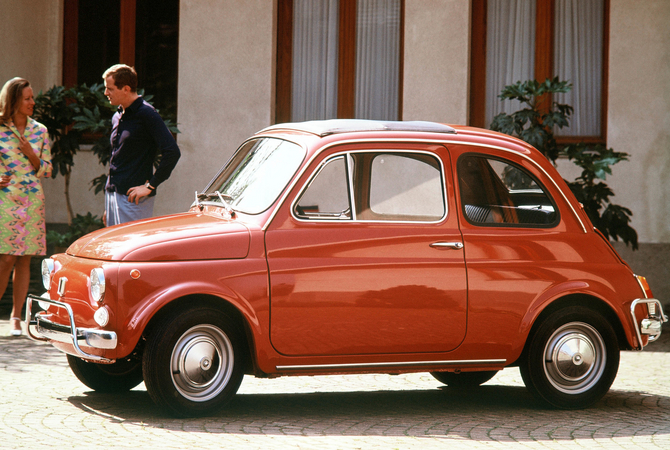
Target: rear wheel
572	359
121	376
192	362
464	379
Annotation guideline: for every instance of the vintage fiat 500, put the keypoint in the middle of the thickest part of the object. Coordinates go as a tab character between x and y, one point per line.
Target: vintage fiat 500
349	246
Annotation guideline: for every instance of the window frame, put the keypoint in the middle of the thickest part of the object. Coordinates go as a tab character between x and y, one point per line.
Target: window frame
353	173
305	216
545	191
544	58
346	71
127	25
372	186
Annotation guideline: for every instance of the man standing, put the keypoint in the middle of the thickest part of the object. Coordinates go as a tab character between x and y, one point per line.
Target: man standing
138	135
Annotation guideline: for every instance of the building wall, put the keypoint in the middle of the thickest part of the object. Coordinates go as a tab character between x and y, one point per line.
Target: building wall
226	79
31	42
82	198
436	60
639	124
639	113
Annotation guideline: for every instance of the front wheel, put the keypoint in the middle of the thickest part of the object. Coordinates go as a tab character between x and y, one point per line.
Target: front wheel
193	362
572	359
121	376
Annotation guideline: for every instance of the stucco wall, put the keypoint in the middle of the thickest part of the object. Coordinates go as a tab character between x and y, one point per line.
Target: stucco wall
436	60
226	78
83	200
639	112
31	41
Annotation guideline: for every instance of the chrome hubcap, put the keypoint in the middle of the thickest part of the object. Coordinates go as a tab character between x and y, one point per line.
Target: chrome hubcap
574	358
202	363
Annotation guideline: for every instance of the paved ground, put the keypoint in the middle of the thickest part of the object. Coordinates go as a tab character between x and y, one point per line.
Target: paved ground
42	405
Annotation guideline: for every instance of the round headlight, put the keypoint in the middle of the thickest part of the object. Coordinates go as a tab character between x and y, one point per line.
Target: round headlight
47	271
97	284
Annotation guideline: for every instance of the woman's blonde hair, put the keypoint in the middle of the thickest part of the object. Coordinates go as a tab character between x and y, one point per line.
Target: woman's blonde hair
10	96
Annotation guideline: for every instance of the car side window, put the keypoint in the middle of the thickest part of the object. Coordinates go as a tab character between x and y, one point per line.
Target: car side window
497	192
384	186
327	195
406	187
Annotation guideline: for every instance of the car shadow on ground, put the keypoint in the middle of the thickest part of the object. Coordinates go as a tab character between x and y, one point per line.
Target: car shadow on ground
510	410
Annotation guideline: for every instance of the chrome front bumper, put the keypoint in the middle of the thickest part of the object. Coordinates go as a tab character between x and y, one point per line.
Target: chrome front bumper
652	325
46	330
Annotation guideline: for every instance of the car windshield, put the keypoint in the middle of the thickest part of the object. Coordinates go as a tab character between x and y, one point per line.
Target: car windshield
253	179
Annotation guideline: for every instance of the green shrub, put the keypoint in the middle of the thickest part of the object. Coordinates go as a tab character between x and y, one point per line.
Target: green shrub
535	124
81	226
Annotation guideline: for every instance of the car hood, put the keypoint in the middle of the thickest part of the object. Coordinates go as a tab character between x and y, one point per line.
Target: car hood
178	237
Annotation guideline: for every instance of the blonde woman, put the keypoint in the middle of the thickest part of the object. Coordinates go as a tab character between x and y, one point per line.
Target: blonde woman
25	157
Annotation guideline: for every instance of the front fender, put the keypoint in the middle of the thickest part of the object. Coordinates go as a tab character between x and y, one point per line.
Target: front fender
241	283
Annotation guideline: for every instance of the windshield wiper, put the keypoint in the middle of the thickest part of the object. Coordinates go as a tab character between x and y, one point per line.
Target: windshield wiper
214	195
226	205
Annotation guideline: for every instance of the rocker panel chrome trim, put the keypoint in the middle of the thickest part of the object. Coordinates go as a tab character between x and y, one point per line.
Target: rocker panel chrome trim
473	362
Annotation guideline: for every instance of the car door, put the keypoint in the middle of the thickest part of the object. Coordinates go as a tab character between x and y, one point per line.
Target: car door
365	256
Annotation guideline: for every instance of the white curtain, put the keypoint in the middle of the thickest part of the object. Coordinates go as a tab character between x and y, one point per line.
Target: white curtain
510	51
377	59
315	50
578	51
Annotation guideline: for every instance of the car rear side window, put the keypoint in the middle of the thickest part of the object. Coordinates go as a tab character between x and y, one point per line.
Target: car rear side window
496	192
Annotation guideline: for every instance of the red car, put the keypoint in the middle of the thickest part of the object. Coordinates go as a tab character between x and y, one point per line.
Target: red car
348	246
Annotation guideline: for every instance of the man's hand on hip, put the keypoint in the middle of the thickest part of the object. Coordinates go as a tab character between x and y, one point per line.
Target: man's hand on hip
137	193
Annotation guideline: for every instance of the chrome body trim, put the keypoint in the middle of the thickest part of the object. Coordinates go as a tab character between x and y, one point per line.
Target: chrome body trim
649	326
347	156
474	362
49	331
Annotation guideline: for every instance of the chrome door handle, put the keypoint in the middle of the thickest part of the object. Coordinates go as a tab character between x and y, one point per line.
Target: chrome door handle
451	245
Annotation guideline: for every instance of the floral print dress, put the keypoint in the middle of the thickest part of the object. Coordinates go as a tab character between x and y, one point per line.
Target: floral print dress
22	220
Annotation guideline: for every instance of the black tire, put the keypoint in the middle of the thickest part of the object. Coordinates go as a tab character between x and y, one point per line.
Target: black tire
193	362
121	376
572	359
464	379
